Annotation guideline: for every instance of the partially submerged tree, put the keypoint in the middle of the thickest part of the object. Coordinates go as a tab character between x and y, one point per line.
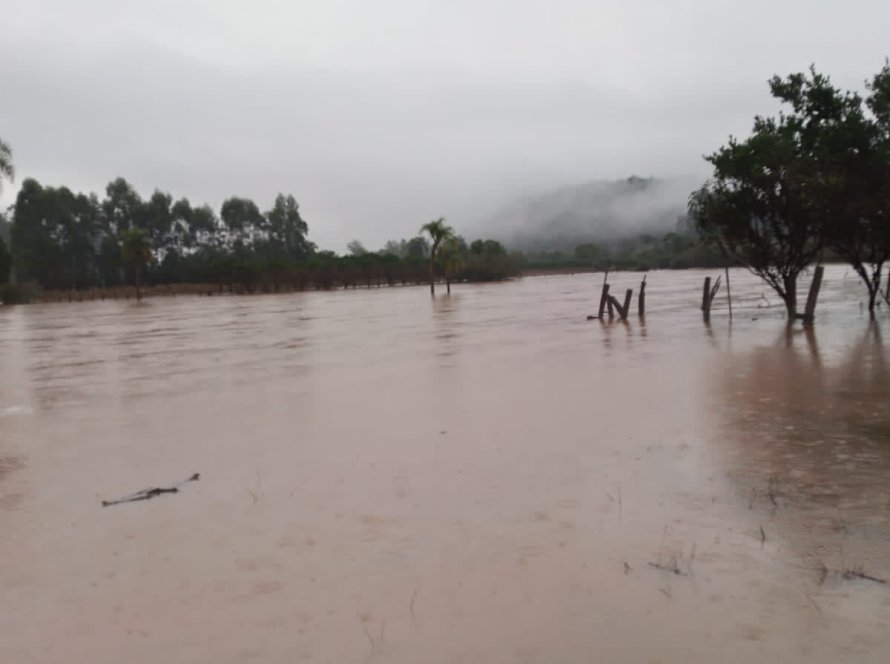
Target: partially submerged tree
817	176
438	232
136	254
759	209
453	257
878	103
848	156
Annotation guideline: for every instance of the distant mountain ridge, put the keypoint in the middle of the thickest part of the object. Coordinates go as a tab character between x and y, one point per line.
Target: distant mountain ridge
601	211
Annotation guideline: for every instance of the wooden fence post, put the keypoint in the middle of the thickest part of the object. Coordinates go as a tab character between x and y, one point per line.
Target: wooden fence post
641	299
707	297
603	300
728	293
704	293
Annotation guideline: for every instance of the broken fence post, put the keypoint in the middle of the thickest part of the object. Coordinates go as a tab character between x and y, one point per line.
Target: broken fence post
708	294
603	298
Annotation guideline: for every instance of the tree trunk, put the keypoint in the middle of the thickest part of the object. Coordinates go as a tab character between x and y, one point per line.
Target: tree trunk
432	280
874	288
790	296
448	284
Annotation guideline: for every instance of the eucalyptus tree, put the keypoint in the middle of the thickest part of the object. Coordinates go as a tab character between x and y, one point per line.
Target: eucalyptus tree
7	170
136	254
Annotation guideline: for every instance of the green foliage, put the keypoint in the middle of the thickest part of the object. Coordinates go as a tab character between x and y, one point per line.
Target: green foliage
17	293
816	177
5	262
285	231
136	249
6	168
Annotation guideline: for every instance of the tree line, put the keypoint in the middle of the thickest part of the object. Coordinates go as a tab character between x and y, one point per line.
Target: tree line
66	240
813	181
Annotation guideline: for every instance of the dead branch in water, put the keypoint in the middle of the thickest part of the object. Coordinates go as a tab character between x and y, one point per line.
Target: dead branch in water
859	573
673	567
148	494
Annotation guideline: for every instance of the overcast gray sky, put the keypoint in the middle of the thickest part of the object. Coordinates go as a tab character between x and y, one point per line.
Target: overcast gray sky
381	115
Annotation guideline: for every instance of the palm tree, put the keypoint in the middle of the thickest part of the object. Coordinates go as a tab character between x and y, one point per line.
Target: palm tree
453	259
6	169
136	252
438	231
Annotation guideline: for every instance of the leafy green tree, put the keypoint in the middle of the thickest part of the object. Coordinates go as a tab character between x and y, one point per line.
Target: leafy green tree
5	262
122	206
136	255
157	219
287	230
243	223
54	236
858	188
758	209
438	232
847	156
6	168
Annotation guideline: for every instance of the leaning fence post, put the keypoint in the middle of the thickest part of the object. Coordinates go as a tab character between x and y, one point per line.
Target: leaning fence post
641	299
628	296
603	300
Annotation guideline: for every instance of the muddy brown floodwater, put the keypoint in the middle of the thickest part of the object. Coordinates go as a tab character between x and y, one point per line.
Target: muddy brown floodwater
482	478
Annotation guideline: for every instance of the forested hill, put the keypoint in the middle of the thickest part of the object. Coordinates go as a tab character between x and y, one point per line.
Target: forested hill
603	212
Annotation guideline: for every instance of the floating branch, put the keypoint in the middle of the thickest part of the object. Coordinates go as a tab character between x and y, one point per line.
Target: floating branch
148	494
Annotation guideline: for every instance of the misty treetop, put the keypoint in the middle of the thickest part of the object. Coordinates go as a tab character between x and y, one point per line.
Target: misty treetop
7	170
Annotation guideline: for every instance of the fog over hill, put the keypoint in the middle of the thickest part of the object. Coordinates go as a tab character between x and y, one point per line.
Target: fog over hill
600	211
